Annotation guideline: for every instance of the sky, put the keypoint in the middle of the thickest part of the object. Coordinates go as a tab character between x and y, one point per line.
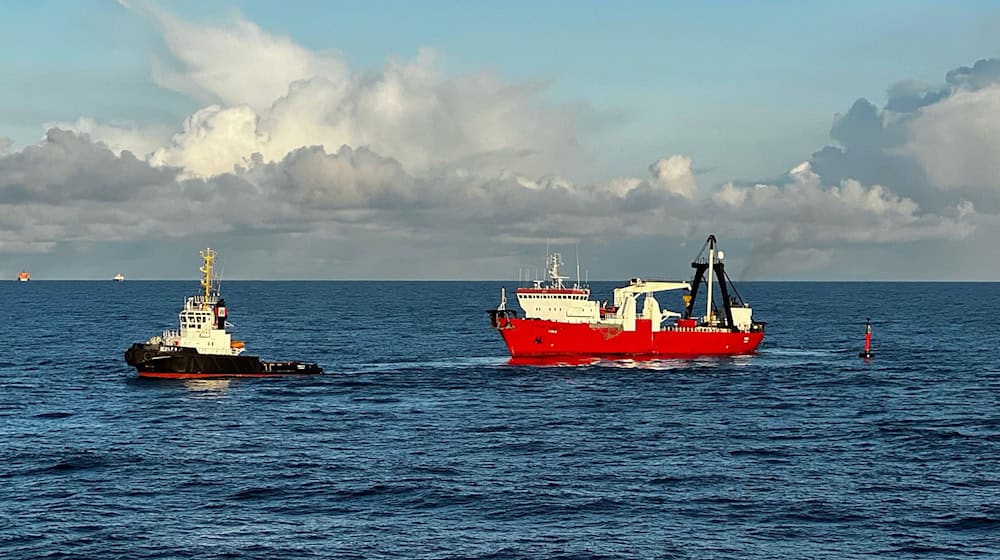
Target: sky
447	140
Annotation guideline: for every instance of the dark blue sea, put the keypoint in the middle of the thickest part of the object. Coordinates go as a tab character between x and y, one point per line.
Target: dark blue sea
422	441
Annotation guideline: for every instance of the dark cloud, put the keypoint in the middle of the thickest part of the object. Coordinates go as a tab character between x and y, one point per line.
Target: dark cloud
898	172
983	73
67	166
348	178
860	129
872	141
907	97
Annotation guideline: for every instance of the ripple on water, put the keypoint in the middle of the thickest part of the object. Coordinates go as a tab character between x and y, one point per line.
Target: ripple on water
435	445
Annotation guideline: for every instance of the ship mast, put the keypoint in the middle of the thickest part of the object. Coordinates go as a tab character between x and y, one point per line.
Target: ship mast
208	255
555	261
577	266
711	255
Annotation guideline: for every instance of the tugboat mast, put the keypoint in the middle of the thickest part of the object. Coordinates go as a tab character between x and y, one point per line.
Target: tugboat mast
208	255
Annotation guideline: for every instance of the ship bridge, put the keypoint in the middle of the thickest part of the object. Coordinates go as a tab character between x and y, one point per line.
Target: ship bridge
202	322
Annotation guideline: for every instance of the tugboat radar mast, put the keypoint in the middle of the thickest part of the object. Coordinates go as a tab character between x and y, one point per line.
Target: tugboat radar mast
208	256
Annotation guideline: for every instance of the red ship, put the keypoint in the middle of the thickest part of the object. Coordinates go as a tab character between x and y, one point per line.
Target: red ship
564	321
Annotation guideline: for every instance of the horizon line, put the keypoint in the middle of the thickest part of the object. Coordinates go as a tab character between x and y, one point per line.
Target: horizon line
843	281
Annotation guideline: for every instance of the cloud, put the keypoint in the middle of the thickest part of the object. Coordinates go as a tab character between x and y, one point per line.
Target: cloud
69	167
805	210
299	153
674	174
264	94
956	141
347	179
234	64
787	259
118	136
983	73
214	141
71	189
930	143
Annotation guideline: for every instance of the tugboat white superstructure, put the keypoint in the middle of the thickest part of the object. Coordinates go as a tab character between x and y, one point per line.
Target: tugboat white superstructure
201	347
560	321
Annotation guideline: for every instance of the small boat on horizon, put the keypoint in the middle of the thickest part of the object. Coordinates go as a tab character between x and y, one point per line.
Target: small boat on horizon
202	348
560	320
119	277
23	276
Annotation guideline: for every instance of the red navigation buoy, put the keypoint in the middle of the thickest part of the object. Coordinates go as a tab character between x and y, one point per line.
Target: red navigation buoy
867	353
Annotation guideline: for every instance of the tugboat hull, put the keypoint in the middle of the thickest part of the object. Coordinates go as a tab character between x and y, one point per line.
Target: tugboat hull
170	362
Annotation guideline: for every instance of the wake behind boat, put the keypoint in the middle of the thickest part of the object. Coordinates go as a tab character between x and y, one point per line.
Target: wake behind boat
564	321
202	348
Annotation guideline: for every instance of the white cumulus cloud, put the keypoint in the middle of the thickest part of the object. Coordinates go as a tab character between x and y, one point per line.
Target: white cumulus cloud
674	174
265	94
235	63
292	146
957	140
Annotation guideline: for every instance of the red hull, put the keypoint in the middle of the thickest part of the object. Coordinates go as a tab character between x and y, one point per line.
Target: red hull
537	337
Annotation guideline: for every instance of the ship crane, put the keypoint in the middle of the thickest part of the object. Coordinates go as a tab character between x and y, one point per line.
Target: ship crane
638	287
711	272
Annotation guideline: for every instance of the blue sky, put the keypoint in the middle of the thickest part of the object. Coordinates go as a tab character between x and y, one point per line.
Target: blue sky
604	94
741	86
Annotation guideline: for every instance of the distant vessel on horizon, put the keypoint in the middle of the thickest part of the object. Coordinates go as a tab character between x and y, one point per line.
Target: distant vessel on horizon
119	277
23	276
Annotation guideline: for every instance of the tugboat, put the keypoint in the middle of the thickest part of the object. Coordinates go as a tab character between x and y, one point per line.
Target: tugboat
561	321
23	276
201	348
118	277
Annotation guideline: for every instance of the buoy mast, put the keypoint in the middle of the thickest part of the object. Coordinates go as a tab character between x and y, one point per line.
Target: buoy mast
867	353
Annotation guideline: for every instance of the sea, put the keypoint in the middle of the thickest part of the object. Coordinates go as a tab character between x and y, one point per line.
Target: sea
423	441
